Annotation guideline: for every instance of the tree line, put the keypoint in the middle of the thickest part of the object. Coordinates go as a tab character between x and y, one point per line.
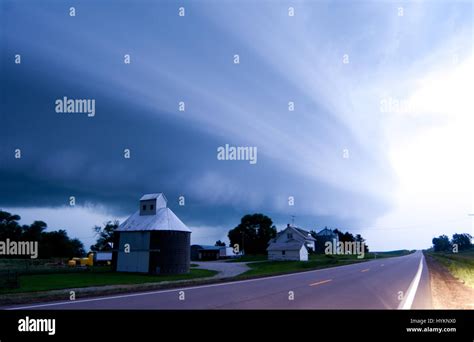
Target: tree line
254	232
252	235
50	244
459	242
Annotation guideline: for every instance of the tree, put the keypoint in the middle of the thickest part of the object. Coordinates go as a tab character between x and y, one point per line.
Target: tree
58	244
463	241
349	237
34	231
344	237
359	238
253	233
441	243
50	244
340	234
77	247
105	235
319	244
9	226
220	243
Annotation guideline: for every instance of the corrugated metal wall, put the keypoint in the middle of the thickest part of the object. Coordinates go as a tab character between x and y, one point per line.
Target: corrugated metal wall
138	258
170	252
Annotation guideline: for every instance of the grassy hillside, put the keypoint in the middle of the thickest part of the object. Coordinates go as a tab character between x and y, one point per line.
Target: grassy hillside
461	265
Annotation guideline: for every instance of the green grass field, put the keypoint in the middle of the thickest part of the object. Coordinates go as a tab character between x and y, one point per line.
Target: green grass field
27	266
461	265
316	261
56	281
389	254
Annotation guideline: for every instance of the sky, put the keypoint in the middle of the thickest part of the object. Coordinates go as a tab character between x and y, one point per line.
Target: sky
379	142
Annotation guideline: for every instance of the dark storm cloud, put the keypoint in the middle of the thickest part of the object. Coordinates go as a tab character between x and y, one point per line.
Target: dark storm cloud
72	155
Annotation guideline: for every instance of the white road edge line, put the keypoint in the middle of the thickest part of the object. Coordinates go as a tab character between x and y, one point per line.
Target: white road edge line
184	288
408	301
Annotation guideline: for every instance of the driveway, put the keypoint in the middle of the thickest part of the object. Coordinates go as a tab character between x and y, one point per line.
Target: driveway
225	269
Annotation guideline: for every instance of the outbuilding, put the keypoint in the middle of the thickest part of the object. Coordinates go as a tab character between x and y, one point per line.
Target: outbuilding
205	252
295	250
152	240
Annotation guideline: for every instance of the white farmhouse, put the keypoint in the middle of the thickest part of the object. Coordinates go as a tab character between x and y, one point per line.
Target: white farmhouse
292	243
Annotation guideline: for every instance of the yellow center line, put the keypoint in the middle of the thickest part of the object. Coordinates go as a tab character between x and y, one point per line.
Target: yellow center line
320	282
365	270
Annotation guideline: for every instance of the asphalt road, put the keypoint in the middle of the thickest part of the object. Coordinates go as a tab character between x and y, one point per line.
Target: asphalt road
389	283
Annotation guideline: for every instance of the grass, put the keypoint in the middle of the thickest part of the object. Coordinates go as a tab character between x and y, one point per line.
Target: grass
461	265
390	254
28	266
57	281
316	261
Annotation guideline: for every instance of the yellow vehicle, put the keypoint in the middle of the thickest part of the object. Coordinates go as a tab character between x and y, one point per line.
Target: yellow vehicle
89	261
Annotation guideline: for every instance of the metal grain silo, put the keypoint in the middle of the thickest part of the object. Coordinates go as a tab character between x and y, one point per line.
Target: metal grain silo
171	252
153	239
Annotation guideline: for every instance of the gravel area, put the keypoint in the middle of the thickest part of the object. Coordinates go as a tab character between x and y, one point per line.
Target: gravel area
447	291
225	269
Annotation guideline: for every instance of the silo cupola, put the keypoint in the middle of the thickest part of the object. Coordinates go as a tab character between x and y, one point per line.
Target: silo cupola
149	203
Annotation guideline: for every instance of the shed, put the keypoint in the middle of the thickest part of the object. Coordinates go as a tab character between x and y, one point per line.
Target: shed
288	251
227	252
102	257
205	252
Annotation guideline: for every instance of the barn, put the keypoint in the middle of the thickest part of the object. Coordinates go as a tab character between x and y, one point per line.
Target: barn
152	240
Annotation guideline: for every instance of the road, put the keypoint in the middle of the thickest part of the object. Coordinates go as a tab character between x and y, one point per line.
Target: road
390	283
225	269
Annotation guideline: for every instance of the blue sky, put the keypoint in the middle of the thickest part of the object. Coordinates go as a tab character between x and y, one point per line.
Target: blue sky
408	175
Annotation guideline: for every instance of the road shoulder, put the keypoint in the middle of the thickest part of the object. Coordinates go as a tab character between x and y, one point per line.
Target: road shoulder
447	291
